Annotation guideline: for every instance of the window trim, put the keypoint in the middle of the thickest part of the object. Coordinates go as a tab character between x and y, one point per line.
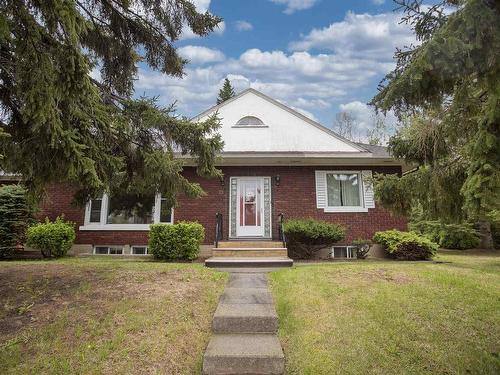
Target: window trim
108	246
361	208
125	227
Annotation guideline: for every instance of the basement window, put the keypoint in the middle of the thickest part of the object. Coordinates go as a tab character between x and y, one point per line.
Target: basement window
108	250
346	252
139	250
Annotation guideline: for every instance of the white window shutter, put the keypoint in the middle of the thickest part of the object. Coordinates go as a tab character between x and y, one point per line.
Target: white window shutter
368	189
320	189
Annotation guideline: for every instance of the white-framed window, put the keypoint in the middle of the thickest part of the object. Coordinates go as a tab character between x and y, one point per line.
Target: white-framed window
344	251
108	250
139	250
126	213
249	121
344	191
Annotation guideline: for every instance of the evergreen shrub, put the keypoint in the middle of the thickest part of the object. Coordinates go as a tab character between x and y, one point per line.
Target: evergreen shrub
406	245
179	241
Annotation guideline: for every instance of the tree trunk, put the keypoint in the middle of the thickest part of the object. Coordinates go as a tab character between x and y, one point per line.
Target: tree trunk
485	235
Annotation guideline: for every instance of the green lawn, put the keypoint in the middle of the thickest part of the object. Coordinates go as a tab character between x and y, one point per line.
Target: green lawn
105	315
388	317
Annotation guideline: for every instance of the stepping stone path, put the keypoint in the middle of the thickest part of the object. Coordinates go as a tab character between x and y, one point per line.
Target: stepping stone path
244	330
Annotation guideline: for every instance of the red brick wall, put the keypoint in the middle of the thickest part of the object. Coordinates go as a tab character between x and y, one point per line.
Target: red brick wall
295	197
59	201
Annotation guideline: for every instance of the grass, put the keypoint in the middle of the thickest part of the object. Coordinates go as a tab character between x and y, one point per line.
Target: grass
105	315
389	317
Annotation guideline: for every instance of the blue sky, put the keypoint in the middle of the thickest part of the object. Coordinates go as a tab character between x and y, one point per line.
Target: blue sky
318	56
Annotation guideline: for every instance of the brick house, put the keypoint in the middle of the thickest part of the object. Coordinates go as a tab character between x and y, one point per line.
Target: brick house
275	161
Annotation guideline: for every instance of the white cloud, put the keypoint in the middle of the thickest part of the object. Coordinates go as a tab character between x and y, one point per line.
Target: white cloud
201	5
359	35
315	82
295	5
243	25
304	112
201	55
187	33
378	2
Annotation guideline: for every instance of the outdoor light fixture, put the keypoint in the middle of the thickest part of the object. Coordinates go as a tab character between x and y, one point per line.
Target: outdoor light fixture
222	181
277	178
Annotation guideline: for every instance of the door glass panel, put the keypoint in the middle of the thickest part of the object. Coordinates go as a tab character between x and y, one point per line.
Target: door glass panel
250	214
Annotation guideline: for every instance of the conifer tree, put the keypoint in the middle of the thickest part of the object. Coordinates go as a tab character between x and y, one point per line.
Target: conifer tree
449	87
226	92
58	122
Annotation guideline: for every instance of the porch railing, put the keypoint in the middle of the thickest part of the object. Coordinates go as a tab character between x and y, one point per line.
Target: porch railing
218	229
281	231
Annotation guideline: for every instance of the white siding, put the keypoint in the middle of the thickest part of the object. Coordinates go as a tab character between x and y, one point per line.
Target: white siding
282	131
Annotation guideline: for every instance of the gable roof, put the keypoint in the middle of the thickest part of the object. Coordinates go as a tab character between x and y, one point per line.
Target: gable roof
286	108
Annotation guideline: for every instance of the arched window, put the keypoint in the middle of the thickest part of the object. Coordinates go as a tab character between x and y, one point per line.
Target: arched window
249	121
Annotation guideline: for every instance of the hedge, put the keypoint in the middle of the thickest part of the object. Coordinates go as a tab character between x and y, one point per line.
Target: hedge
406	245
449	236
306	236
179	241
16	214
53	239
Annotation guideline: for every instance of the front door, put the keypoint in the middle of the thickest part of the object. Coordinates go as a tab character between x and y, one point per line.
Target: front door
250	203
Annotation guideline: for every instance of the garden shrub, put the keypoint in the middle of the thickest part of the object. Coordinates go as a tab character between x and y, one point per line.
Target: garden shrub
53	239
362	248
449	236
179	241
406	245
306	236
16	214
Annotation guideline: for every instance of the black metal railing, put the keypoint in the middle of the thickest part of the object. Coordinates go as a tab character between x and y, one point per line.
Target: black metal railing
281	231
218	229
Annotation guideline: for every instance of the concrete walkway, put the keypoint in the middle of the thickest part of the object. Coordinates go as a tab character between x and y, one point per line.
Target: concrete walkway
244	329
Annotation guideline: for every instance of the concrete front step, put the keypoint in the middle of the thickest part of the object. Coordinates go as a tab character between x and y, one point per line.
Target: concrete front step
243	354
249	252
245	318
249	262
257	244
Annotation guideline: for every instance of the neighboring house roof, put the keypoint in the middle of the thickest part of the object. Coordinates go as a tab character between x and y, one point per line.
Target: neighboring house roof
377	151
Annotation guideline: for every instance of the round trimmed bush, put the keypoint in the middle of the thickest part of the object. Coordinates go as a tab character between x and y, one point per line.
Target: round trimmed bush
53	239
304	237
179	241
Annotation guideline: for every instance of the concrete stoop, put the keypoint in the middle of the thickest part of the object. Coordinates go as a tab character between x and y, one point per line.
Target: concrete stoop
245	324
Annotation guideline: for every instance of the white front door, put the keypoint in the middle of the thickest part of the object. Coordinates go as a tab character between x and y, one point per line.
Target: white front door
249	211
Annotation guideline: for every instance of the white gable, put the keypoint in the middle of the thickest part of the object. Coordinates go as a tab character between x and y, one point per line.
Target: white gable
284	130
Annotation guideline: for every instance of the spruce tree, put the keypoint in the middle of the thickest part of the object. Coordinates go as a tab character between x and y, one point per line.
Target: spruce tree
448	87
226	92
60	123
